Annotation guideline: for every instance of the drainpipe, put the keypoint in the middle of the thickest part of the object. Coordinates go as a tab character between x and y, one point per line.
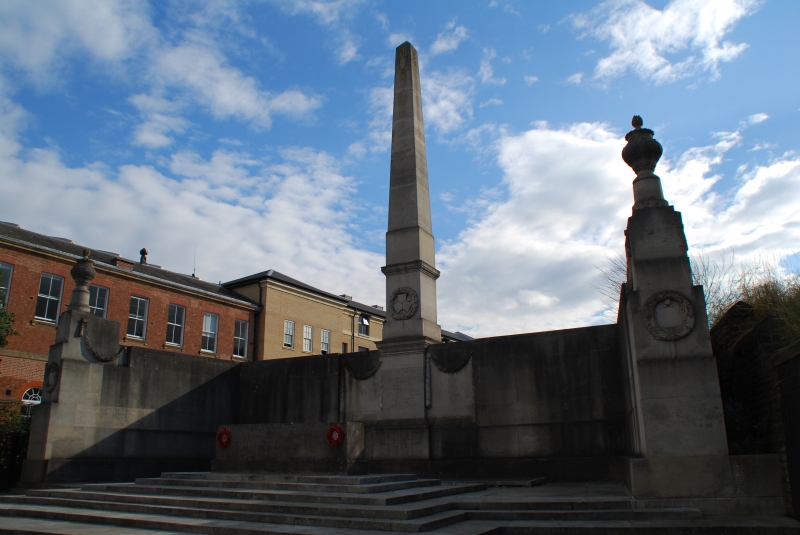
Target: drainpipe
256	317
353	333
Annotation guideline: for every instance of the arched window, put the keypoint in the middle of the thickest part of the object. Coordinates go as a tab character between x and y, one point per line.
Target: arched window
31	397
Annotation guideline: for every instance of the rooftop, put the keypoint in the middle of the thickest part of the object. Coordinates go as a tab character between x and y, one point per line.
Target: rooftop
13	233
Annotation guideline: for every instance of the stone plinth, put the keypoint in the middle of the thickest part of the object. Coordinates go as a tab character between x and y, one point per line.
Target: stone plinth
291	448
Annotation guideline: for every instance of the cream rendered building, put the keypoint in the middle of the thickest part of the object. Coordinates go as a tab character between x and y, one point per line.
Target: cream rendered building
298	320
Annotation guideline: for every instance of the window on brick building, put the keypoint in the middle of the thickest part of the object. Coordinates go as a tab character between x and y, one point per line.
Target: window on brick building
240	339
49	301
325	345
175	322
361	348
6	270
137	317
308	338
288	334
98	300
363	324
30	398
344	347
210	322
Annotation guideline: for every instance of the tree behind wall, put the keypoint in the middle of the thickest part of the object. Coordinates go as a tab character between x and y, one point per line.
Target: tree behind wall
14	432
772	291
6	323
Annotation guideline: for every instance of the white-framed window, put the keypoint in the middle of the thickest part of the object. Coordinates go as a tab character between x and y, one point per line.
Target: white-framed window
288	334
98	300
240	339
6	270
210	324
49	301
176	319
308	337
363	324
325	342
30	398
137	317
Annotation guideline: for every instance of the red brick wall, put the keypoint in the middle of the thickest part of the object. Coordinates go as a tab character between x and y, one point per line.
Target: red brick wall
36	337
17	375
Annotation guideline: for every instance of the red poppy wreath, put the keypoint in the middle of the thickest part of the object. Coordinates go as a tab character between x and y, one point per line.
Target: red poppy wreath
335	435
224	437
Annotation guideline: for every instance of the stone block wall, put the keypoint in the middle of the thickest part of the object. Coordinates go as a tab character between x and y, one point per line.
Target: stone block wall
150	412
540	396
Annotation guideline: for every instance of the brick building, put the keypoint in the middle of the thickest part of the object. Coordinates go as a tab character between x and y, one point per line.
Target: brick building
155	307
267	315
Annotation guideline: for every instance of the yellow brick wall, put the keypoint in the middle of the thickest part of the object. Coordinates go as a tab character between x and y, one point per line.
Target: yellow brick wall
282	302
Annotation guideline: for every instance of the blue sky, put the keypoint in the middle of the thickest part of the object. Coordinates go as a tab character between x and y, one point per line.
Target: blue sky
259	132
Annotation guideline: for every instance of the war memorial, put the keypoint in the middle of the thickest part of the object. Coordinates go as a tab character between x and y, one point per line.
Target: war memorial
605	429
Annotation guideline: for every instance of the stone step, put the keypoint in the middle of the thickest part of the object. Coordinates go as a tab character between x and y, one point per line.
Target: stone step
369	488
63	521
551	504
732	525
387	498
588	514
290	478
401	512
95	500
180	519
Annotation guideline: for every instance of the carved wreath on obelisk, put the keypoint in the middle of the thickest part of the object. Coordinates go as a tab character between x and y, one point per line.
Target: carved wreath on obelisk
403	303
682	308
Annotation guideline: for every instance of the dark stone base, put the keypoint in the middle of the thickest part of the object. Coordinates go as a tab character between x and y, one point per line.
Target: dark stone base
104	471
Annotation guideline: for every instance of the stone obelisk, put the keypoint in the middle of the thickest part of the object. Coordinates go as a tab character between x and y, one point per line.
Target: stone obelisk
410	266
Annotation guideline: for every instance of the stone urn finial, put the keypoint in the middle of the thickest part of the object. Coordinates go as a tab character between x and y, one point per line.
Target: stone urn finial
642	151
82	273
143	256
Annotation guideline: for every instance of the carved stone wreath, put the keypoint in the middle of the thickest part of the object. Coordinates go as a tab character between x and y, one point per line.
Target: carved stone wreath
685	310
403	303
51	373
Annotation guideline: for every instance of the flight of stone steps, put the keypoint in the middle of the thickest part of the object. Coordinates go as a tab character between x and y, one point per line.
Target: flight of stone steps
250	504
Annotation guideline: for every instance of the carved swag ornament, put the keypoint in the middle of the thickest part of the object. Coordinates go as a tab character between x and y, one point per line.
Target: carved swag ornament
676	312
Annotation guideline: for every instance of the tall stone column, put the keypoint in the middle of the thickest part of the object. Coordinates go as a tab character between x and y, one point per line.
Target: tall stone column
410	270
676	425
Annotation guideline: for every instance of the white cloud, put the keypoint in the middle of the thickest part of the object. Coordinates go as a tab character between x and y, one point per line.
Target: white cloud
447	100
486	70
491	102
683	39
295	212
34	35
551	228
575	79
326	12
395	39
348	48
41	40
449	39
754	119
199	68
530	80
160	120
